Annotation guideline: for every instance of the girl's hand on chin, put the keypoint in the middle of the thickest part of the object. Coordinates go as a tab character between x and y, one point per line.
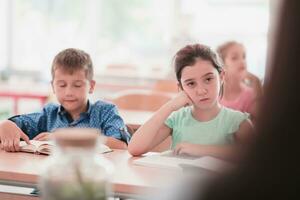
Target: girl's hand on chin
180	100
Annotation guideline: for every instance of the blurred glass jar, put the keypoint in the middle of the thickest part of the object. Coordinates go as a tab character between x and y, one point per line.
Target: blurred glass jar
75	170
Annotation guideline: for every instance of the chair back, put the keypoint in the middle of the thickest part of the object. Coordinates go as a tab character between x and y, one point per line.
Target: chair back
140	100
166	86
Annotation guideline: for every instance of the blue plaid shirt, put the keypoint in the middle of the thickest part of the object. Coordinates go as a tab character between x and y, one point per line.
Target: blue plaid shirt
100	115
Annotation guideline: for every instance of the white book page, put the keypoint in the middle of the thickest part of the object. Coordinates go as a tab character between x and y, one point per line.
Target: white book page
212	163
162	160
36	145
45	146
168	160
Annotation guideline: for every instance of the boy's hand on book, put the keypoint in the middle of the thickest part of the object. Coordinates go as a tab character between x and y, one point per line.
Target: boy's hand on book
10	135
43	136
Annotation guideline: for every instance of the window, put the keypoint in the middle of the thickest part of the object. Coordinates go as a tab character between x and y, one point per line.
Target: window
144	34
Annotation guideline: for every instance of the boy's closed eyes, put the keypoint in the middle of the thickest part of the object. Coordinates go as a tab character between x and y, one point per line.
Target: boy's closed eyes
77	84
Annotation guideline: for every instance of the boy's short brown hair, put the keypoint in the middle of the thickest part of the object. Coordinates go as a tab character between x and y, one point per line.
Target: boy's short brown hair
71	60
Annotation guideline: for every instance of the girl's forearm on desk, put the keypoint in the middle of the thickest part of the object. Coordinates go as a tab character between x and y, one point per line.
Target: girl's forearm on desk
224	151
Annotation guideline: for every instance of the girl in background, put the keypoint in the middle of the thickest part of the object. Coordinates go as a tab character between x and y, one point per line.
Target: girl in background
241	88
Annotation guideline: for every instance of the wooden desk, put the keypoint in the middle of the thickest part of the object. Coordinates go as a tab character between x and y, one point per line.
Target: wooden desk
128	180
135	118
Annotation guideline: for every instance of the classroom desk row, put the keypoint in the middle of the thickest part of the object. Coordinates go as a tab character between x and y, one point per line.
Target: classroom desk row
129	180
22	169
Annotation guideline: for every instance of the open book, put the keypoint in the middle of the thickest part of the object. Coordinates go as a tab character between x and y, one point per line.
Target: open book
38	147
46	147
167	160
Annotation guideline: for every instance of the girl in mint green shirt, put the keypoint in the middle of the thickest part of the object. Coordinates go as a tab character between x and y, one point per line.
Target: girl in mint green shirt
197	122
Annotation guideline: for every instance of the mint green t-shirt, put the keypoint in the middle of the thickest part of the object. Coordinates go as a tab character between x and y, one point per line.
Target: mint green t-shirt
218	131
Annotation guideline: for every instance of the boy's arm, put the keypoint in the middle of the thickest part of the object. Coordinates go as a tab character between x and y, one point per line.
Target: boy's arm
44	136
154	130
115	143
33	123
10	135
113	127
